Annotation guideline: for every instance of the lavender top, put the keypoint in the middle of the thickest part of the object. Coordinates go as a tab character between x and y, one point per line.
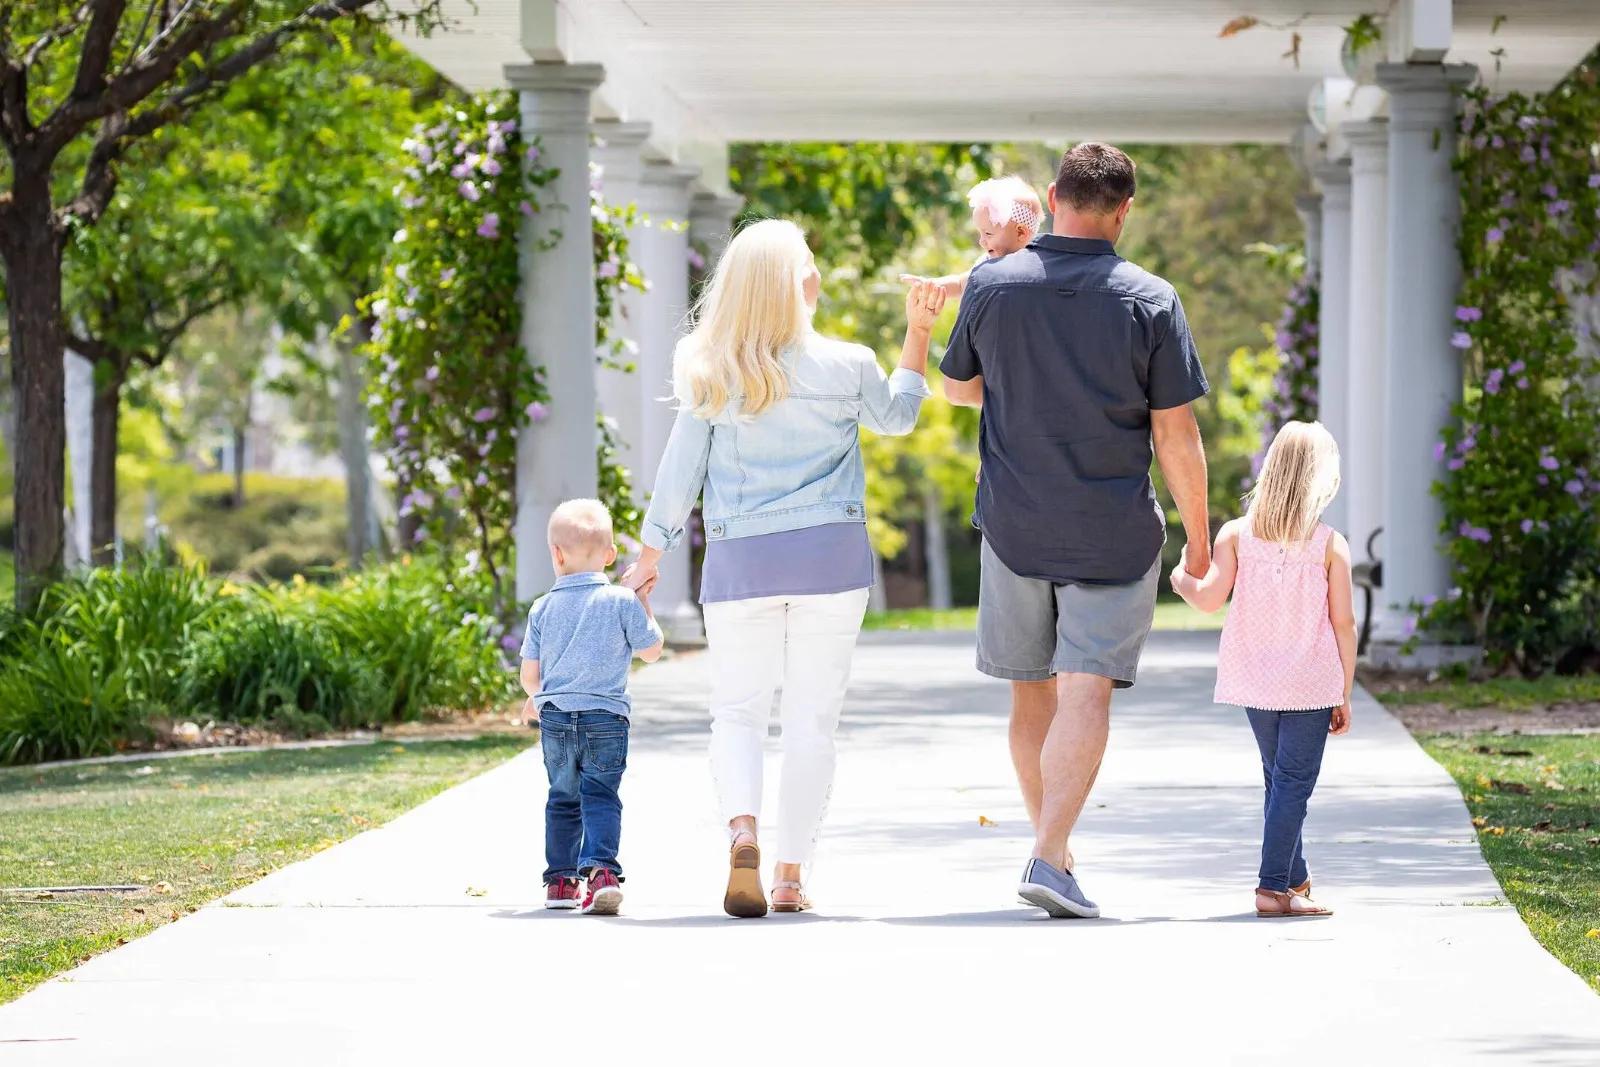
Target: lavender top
832	558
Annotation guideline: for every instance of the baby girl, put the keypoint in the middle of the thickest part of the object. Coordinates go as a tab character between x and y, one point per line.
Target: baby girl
1006	213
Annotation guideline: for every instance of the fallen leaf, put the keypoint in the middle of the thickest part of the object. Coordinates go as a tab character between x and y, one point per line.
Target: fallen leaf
1497	831
1239	25
984	820
1509	787
1479	821
162	887
473	891
1593	935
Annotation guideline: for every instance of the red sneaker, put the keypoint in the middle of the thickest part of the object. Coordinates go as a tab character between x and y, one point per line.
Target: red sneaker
561	894
605	895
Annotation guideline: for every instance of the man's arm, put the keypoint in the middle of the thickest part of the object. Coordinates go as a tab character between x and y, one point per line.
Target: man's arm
967	394
1182	458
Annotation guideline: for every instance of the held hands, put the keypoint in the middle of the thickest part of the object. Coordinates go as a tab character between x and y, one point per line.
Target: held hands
641	579
924	300
530	713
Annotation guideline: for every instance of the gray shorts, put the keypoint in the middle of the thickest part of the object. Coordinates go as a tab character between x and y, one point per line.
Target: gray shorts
1030	629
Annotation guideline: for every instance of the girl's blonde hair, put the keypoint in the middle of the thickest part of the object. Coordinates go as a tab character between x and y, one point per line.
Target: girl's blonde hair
751	310
1298	480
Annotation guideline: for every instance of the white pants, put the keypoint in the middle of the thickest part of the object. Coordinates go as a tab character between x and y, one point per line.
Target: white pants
804	644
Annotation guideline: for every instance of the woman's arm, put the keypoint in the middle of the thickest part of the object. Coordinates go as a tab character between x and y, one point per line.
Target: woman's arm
1210	593
1342	613
889	405
679	478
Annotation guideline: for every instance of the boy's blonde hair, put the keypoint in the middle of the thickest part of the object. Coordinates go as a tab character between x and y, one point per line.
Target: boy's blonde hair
581	526
1299	479
1007	199
752	309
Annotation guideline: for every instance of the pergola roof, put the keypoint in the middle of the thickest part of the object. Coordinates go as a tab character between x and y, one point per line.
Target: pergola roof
705	72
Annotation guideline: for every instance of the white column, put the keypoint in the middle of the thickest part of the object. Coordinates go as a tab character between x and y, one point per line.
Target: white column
80	450
711	222
662	253
617	151
1333	317
1364	455
556	457
1423	371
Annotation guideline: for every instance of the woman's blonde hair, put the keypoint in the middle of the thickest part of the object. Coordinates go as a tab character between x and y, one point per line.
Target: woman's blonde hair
752	308
1298	480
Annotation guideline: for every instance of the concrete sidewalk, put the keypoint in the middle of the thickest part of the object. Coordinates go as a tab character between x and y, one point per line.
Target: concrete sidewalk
423	941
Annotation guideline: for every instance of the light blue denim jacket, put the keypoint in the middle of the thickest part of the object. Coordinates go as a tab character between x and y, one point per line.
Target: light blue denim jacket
795	465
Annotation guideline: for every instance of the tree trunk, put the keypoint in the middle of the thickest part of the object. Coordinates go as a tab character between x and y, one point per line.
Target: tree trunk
353	446
935	548
238	464
31	246
103	469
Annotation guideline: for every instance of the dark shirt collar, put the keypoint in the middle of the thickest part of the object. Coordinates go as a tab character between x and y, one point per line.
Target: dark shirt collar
581	578
1087	246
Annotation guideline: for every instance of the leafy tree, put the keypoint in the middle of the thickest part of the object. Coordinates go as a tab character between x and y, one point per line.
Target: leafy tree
81	86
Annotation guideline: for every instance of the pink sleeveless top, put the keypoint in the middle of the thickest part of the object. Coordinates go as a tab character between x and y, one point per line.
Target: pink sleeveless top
1278	648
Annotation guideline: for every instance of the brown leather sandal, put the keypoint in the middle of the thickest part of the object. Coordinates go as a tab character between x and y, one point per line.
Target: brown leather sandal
800	903
1283	906
744	898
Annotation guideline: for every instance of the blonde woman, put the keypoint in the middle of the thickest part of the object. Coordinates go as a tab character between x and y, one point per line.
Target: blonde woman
767	430
1289	645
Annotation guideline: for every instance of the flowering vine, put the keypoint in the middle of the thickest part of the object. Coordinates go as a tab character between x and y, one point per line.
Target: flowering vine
614	272
1520	469
1294	387
452	385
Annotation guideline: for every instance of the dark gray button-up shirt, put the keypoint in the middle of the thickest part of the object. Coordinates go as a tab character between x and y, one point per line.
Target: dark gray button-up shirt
1076	346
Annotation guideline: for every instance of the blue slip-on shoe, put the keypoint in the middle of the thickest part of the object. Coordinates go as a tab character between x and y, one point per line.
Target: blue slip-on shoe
1056	891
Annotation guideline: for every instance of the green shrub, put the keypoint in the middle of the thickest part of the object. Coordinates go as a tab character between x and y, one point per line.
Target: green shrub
58	703
286	526
427	633
279	668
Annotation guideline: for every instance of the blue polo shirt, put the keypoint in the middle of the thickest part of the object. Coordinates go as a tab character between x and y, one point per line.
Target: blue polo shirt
584	633
1076	347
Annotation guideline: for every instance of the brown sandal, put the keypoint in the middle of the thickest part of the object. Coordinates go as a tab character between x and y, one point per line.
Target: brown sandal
744	899
801	903
1284	906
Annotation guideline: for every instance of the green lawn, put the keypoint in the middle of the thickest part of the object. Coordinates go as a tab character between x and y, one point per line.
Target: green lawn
8	577
194	829
1170	615
1513	694
1536	803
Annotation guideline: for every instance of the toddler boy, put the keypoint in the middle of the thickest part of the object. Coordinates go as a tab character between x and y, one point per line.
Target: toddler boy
581	639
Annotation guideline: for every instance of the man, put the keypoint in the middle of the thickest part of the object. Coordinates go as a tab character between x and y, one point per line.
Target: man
1080	360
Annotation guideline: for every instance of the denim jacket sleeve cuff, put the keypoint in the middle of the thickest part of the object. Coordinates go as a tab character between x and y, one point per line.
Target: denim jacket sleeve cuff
908	382
653	535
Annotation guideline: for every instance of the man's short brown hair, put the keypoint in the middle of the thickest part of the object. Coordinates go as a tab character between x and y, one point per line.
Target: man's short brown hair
1094	177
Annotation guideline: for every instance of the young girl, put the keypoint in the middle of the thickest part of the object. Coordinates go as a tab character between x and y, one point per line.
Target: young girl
1006	214
1289	646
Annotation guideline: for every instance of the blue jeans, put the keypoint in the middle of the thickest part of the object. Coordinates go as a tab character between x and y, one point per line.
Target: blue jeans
1291	744
585	754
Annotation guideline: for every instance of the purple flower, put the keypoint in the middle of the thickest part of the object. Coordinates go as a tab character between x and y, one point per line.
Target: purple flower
482	479
1283	340
696	260
532	154
460	170
506	128
1494	236
1542	479
536	412
491	166
490	227
526	208
1516	368
1461	339
424	154
1527	525
1491	384
402	432
1467	444
1456	464
1497	141
483	415
1549	190
1438	452
446	275
420	536
1528	154
1468	314
432	375
1411	625
1522	383
1594	181
1549	463
1559	207
608	269
470	191
1527	122
1574	487
509	643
